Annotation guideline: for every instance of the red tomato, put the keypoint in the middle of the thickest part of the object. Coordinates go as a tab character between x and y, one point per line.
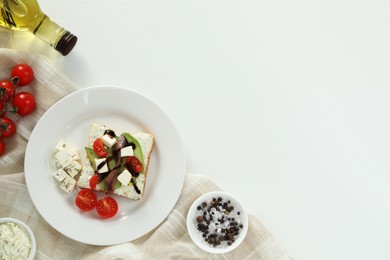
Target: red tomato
94	181
107	207
134	165
99	149
2	147
22	74
7	127
24	102
86	200
2	107
7	90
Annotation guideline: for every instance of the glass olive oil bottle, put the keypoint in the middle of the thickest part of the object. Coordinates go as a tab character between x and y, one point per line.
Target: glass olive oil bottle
26	15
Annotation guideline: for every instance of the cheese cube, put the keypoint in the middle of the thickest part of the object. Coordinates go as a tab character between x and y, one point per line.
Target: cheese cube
74	154
73	168
127	151
63	157
57	164
101	161
68	184
87	168
108	140
60	175
125	177
61	145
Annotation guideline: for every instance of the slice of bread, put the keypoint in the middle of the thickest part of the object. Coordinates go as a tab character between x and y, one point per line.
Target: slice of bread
146	142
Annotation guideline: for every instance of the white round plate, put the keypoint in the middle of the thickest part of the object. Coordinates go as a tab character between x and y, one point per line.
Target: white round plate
70	119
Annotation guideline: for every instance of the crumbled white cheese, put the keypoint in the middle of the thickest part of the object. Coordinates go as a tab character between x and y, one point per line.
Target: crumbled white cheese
68	184
15	242
68	165
63	157
73	168
60	174
61	145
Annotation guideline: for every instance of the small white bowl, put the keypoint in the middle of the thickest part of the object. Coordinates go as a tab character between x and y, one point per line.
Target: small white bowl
196	235
29	232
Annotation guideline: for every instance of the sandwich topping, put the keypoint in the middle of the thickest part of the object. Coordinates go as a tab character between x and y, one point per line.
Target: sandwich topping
115	164
117	161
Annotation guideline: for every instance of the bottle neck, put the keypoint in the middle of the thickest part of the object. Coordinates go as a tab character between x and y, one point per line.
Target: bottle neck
49	31
58	38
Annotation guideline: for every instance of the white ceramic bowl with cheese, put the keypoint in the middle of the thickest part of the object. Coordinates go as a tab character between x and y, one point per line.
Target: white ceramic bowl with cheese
220	226
15	237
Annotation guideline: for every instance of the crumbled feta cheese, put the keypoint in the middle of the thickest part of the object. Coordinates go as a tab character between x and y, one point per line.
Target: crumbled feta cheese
108	140
125	177
68	184
68	166
74	154
63	157
60	175
127	151
104	168
73	168
61	145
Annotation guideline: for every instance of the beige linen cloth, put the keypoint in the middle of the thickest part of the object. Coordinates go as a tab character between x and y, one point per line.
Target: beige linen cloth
169	240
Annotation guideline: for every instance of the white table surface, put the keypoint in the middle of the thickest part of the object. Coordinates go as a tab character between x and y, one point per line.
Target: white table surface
285	104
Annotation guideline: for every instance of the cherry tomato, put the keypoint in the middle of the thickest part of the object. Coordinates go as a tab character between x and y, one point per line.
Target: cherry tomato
2	107
24	102
86	200
22	74
7	127
134	165
99	149
94	181
107	207
2	147
7	90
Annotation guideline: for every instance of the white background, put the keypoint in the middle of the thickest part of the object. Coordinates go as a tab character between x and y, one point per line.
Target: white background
285	104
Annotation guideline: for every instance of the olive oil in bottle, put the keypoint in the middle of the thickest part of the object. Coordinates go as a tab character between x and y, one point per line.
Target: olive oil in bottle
26	15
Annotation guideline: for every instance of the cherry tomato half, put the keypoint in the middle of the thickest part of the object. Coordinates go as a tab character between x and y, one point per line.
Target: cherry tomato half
86	200
2	147
7	127
7	90
94	181
134	165
99	148
22	74
107	207
24	102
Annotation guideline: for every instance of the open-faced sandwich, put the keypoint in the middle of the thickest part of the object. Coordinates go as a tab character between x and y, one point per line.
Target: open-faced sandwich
116	163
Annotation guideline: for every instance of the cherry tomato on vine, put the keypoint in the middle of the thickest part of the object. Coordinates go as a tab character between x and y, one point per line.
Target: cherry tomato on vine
7	127
98	147
24	102
7	90
2	107
2	147
86	200
22	74
107	207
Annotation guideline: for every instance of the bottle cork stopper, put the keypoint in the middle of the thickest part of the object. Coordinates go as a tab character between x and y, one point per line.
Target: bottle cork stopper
66	43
